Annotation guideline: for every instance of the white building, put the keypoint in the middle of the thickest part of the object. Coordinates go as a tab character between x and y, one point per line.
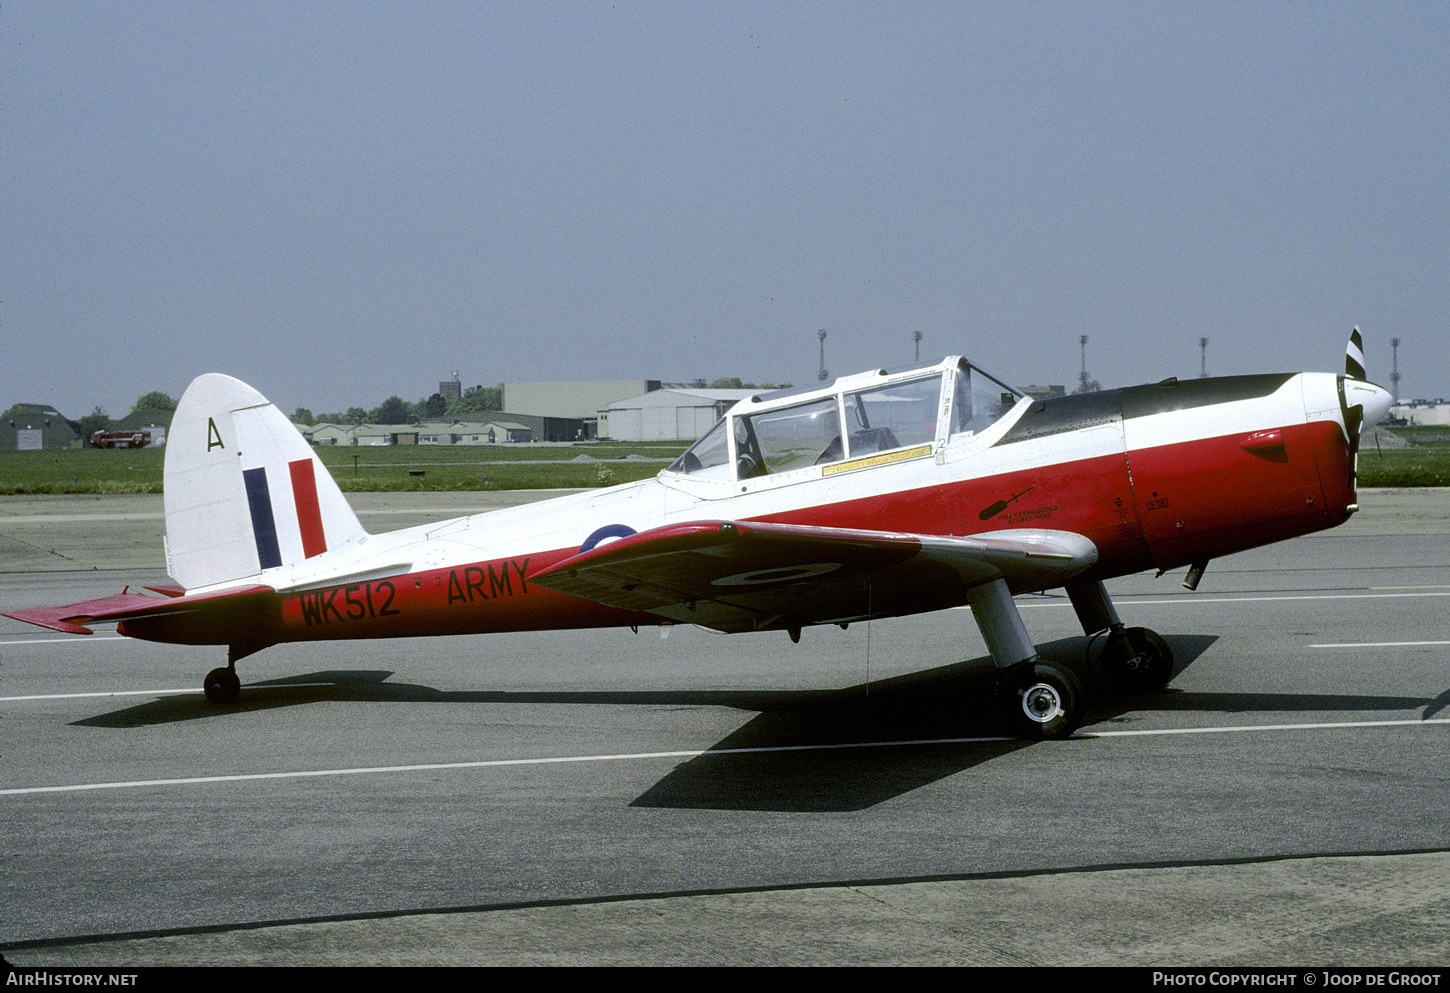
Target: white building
496	432
1421	412
669	414
361	434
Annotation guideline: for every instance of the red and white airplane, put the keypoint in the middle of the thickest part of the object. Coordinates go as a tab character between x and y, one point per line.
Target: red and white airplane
875	495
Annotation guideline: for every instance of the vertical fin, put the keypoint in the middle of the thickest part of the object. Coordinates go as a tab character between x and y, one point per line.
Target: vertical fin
244	491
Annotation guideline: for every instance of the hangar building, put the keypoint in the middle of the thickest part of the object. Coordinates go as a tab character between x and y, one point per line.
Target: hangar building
36	426
1435	411
672	414
576	410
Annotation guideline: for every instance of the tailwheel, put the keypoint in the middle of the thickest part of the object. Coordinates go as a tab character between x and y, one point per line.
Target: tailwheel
1043	701
222	686
1138	660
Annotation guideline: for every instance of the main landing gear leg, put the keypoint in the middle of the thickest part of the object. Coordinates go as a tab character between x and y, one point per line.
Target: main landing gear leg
1039	699
1135	659
223	686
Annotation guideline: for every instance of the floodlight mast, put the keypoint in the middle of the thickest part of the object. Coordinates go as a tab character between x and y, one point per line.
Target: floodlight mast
1395	370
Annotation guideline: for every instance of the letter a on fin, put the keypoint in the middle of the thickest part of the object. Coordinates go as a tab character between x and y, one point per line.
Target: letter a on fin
213	436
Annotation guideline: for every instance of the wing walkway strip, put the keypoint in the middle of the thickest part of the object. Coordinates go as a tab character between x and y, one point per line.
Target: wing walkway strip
688	754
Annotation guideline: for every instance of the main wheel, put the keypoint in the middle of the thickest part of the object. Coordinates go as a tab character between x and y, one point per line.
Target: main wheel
222	686
1145	665
1048	703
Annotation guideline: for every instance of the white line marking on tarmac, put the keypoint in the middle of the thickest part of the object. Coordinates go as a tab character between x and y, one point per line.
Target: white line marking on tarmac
60	641
75	696
192	690
1270	727
1187	598
1380	644
690	754
1200	598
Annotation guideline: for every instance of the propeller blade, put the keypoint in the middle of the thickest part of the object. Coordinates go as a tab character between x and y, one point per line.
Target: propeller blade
1353	412
1354	356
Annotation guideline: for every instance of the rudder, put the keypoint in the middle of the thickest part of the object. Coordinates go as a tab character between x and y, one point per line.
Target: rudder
244	491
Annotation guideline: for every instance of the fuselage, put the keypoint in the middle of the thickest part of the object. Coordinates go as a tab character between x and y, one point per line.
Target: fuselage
1155	476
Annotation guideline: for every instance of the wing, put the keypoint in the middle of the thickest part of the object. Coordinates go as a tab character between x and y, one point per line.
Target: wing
748	576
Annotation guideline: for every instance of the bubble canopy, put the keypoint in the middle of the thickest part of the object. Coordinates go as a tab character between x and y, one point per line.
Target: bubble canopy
848	418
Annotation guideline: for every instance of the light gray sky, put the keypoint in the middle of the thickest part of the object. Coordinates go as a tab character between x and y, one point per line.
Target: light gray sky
338	202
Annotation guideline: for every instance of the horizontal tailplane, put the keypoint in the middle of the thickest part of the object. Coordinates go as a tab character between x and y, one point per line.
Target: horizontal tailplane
219	618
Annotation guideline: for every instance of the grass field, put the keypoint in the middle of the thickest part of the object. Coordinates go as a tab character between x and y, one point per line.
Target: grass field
1425	463
371	469
528	467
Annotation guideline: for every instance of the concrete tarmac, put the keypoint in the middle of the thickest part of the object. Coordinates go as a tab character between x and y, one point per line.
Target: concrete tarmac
1385	911
1348	909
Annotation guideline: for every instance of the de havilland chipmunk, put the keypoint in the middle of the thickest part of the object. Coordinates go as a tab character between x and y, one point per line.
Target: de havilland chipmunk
880	494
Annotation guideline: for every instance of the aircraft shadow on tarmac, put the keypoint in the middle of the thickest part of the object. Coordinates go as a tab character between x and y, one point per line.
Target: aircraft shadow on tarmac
954	700
918	711
923	726
790	756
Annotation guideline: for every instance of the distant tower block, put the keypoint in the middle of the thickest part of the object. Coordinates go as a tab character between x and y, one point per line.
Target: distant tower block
451	389
822	375
1395	370
1202	358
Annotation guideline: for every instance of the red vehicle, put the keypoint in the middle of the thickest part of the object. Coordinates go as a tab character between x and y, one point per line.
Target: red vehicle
121	439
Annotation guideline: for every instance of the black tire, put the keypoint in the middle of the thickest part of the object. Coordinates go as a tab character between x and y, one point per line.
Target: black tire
222	686
1146	666
1048	703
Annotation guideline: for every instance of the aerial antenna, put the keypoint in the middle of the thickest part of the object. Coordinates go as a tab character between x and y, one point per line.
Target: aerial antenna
1202	358
822	375
1082	379
917	338
1395	370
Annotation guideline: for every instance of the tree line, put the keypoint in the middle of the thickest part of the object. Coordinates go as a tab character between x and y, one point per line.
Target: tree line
393	410
396	410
